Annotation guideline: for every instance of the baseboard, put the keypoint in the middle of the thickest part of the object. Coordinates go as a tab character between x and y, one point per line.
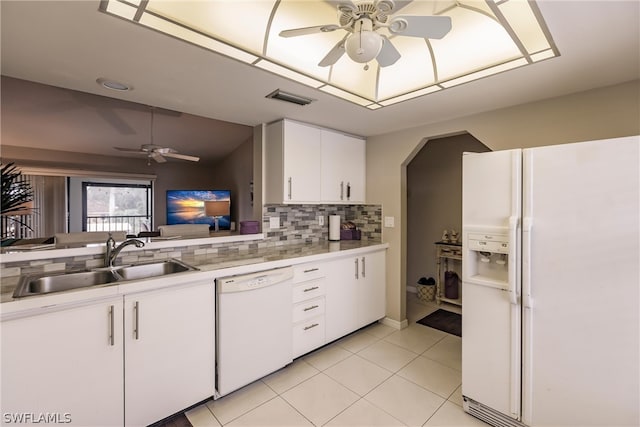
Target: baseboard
394	323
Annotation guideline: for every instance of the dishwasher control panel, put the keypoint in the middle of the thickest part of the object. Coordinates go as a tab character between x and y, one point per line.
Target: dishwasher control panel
247	282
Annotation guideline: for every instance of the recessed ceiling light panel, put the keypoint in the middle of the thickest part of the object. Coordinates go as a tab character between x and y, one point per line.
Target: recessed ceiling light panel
113	85
425	45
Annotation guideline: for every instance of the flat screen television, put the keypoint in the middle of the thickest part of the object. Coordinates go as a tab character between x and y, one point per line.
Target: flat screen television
187	207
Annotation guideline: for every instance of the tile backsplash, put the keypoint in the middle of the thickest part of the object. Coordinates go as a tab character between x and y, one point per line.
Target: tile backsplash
299	223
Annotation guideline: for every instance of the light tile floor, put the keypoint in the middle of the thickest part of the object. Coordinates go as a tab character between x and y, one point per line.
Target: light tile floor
377	376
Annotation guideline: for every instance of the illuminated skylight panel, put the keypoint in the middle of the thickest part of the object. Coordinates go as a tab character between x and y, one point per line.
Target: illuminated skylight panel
353	77
288	73
475	42
195	38
240	23
248	30
524	23
414	69
346	95
121	9
484	73
303	53
410	95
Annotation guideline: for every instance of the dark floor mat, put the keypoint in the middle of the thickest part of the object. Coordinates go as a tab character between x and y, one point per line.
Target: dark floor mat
445	321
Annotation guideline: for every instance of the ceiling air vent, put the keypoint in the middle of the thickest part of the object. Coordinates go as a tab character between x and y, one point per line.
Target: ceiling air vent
289	97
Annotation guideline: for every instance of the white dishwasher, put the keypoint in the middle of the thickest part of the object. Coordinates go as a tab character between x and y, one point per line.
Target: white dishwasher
253	327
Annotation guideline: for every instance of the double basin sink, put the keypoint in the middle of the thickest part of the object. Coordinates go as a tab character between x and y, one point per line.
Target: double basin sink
43	284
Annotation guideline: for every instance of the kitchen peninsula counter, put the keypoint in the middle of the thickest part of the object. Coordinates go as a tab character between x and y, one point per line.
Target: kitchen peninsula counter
210	264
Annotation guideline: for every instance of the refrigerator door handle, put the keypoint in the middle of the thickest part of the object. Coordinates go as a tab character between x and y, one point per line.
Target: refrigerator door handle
527	225
513	276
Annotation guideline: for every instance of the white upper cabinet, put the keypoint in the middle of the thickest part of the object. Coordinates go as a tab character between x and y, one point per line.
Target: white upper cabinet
343	168
292	160
307	164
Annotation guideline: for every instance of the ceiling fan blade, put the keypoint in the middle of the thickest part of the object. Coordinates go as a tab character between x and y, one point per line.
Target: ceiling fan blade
130	150
158	157
391	6
343	5
427	27
182	157
388	55
309	30
334	54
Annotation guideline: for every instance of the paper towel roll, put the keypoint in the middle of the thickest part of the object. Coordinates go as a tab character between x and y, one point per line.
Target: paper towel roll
334	227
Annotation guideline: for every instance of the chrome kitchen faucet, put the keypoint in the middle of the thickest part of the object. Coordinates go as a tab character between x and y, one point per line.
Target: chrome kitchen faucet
112	250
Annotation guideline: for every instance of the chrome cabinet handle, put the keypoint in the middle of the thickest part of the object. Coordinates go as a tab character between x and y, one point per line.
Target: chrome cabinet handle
311	270
363	267
111	326
341	190
136	326
313	307
348	191
306	328
357	269
313	288
289	188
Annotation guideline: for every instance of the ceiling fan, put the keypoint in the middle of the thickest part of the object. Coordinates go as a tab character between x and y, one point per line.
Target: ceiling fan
157	152
361	20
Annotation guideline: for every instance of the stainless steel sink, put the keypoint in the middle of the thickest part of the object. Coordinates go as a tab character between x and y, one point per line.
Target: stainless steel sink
144	271
43	284
37	285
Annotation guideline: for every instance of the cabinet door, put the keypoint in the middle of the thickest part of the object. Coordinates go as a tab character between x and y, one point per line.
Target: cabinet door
67	363
341	311
169	351
371	288
301	163
343	168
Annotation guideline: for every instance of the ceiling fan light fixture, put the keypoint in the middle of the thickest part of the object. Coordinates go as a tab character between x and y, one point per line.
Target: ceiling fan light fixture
364	44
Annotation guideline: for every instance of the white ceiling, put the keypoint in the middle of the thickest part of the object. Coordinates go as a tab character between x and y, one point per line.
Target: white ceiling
70	44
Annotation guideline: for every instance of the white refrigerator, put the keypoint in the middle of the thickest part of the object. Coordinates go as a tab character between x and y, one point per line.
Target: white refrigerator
550	285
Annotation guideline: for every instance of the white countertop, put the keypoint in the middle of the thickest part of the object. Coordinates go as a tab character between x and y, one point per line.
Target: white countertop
210	266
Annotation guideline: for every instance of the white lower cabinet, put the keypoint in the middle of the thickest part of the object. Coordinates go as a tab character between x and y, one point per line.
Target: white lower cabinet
371	298
64	365
346	294
355	293
129	360
169	351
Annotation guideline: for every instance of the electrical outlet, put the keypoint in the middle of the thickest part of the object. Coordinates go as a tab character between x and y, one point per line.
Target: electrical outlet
274	222
321	220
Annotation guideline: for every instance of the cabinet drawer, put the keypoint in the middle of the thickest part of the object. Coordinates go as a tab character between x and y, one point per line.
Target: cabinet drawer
306	272
308	335
308	290
308	309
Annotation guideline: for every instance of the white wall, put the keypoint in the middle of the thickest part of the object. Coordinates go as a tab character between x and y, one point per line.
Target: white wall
597	114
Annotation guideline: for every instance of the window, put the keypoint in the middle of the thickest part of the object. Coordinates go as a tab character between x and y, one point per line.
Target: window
116	207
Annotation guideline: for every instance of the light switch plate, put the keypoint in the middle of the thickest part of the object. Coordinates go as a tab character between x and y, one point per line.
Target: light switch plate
389	221
320	220
274	222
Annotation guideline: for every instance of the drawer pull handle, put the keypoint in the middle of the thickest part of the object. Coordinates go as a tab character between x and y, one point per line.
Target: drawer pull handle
311	270
306	328
313	307
313	288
